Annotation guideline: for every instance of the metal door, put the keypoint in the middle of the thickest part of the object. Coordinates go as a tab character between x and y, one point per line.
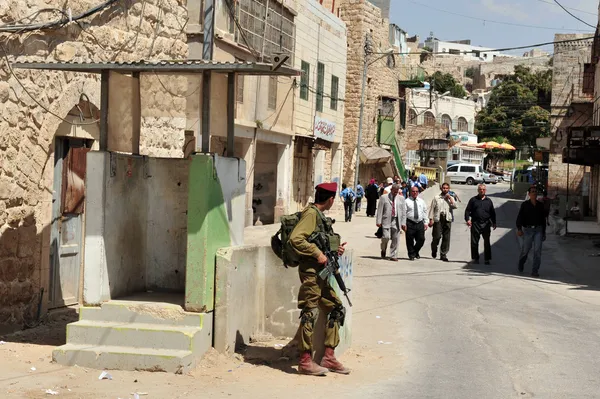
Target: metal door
66	240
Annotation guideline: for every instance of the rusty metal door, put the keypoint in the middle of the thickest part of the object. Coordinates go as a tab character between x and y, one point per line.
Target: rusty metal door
66	239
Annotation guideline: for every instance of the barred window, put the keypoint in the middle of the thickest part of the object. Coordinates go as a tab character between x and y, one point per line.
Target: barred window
447	121
462	125
429	119
412	117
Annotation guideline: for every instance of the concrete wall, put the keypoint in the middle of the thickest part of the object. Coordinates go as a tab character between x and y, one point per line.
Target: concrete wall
215	219
119	33
257	295
135	233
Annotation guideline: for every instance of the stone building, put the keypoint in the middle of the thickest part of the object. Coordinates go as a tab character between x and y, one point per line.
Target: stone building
432	115
384	105
572	106
254	31
318	100
487	75
51	118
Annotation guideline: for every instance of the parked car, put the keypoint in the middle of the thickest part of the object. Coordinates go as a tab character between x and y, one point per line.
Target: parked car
489	178
465	173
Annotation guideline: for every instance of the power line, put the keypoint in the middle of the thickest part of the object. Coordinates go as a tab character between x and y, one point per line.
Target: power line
491	21
570	8
581	39
573	15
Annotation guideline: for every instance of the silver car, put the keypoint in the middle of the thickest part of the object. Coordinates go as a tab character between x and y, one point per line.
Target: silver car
489	178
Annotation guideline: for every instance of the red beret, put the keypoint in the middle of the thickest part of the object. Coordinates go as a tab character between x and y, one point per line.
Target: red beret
331	187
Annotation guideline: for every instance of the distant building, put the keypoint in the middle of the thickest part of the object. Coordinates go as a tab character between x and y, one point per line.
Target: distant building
463	48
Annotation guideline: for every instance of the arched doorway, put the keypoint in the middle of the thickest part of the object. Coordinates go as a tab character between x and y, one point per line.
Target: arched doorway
74	138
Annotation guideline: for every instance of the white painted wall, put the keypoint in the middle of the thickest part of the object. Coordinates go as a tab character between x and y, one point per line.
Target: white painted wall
320	37
419	100
485	54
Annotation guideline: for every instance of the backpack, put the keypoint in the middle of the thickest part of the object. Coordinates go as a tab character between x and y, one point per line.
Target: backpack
280	242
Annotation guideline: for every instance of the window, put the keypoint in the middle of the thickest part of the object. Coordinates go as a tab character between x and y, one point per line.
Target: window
272	92
453	168
335	82
429	119
462	125
388	108
588	79
412	117
304	80
272	31
468	169
479	168
447	121
320	85
240	89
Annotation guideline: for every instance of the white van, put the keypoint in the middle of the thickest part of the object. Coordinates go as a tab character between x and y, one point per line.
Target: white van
465	173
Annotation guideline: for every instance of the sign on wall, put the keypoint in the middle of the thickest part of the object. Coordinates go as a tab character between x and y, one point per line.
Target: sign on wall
324	129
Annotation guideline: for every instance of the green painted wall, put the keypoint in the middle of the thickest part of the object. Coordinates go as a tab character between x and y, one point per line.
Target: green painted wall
208	230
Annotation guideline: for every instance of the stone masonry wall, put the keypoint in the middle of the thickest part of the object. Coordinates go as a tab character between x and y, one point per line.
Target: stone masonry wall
361	17
570	107
128	30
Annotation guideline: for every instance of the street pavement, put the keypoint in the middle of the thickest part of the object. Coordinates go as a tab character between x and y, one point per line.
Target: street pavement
462	331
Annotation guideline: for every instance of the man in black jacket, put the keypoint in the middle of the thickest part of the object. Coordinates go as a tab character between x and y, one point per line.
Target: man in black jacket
480	216
531	225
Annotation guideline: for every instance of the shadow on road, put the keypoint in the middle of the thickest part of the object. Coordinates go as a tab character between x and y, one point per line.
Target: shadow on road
565	260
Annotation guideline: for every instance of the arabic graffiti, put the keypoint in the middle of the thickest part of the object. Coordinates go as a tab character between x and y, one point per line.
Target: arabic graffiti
324	129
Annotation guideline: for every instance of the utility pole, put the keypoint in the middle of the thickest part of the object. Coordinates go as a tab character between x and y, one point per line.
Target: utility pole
207	55
362	107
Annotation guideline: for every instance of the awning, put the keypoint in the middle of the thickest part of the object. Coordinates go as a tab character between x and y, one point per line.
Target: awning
374	155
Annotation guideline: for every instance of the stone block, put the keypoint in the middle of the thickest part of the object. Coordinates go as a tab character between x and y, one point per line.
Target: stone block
9	269
9	241
27	241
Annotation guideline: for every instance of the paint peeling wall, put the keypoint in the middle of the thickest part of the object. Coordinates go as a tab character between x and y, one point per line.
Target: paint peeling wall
136	232
256	294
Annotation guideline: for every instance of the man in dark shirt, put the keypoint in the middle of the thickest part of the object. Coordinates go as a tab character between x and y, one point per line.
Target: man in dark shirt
531	226
480	216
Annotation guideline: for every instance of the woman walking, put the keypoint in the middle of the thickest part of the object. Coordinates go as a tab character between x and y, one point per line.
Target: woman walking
372	195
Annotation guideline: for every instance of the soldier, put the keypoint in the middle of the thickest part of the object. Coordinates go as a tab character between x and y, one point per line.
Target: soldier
316	293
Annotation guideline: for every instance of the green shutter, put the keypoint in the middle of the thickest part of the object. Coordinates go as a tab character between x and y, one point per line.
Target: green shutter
335	82
304	80
386	131
320	85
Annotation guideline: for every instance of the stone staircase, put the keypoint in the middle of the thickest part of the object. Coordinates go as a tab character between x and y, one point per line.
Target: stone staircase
134	335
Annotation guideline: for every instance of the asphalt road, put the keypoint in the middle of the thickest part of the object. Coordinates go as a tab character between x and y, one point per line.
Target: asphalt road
461	331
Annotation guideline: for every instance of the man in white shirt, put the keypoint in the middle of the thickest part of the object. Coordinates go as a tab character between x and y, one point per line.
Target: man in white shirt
416	215
391	215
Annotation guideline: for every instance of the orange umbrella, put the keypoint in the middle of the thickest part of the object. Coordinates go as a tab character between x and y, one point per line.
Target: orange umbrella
506	146
489	145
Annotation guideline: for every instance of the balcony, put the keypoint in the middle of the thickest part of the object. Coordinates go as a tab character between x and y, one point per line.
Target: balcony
411	76
583	146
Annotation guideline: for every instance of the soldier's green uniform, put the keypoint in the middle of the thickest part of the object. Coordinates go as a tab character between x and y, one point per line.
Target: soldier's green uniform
314	291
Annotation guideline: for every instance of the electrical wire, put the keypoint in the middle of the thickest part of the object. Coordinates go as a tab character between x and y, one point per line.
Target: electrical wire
57	23
573	15
571	8
490	20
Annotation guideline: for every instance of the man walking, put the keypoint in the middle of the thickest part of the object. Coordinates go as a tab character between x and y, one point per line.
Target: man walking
423	181
441	215
391	216
480	216
360	193
416	214
316	293
531	226
348	196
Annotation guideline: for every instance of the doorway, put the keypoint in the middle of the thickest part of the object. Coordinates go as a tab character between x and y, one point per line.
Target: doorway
66	235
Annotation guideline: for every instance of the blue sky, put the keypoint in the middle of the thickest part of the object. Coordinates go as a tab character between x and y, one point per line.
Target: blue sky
422	16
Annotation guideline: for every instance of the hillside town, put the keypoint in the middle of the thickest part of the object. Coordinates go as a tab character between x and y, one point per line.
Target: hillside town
236	196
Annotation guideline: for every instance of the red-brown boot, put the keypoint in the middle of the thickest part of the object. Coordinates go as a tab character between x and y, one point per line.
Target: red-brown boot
331	363
308	367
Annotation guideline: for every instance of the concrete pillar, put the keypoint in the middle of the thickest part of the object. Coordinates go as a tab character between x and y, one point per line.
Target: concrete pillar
249	149
284	177
319	167
337	160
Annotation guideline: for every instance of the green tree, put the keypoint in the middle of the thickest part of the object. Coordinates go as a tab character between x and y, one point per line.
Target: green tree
518	109
444	82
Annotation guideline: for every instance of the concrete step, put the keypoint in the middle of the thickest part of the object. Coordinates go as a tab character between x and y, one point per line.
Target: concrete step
124	358
142	312
134	335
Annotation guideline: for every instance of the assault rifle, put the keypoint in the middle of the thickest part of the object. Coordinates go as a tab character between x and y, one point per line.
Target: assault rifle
332	267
